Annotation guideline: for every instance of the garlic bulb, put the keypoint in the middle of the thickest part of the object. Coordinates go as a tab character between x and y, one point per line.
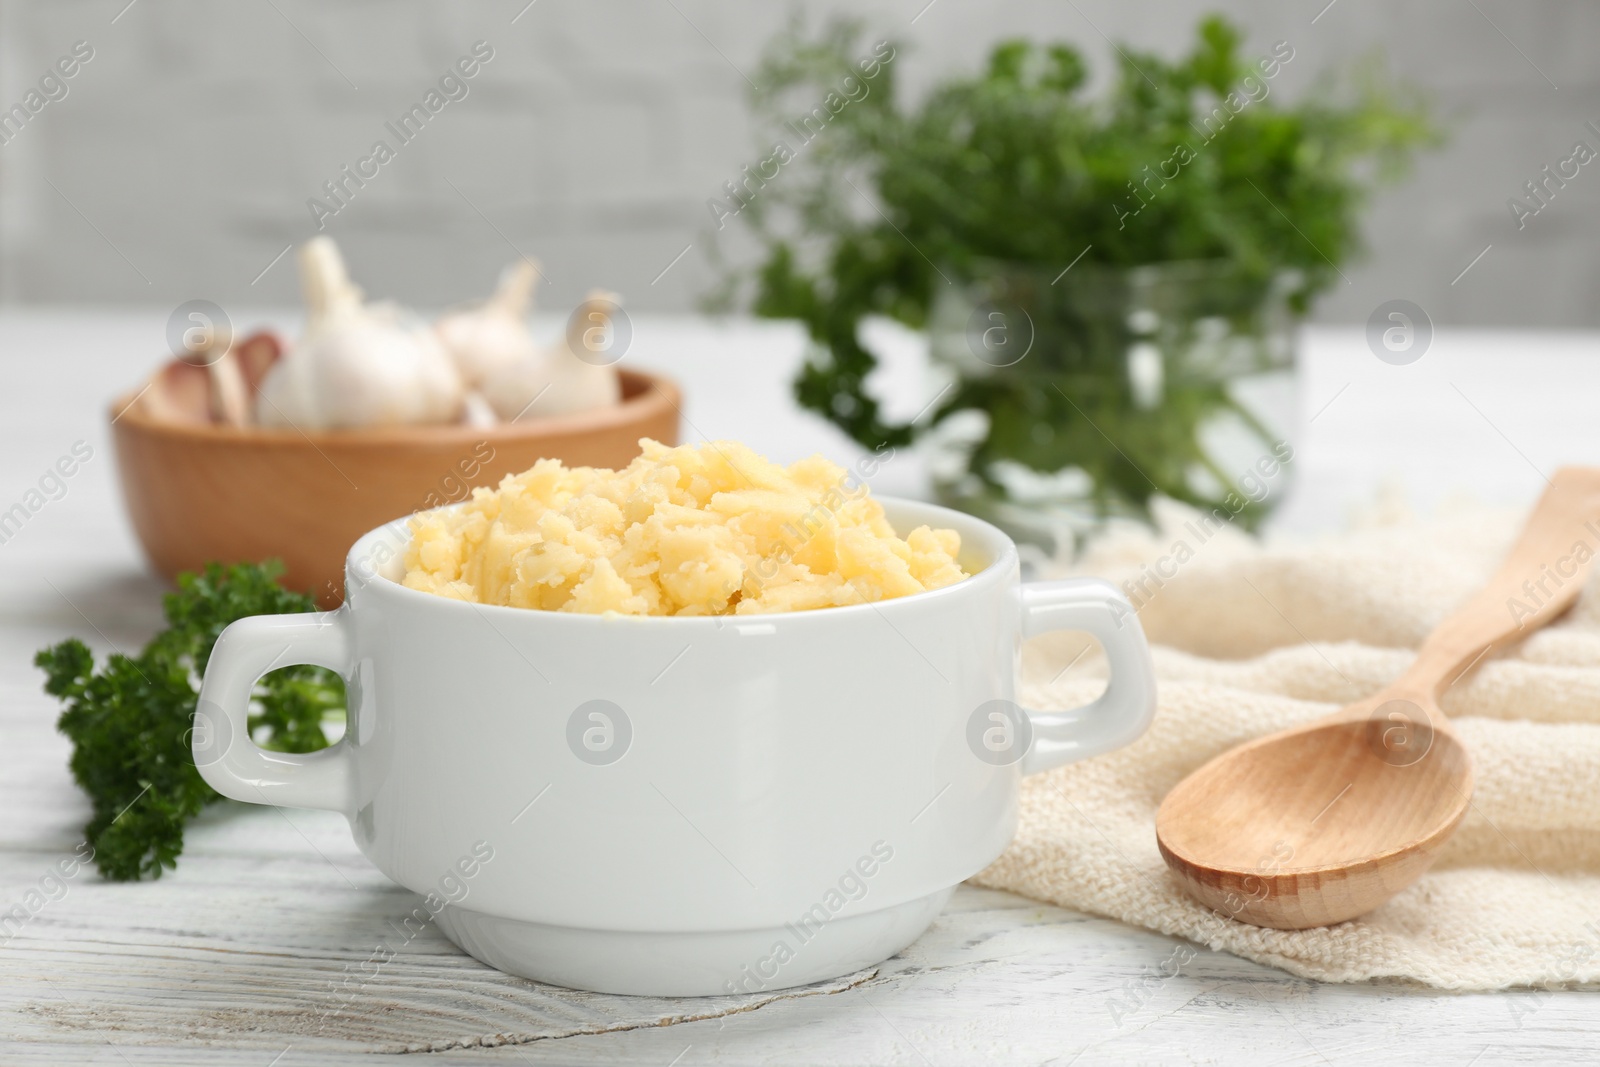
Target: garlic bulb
563	381
357	364
493	336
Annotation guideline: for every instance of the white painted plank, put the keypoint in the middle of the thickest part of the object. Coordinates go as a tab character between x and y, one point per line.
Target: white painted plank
997	977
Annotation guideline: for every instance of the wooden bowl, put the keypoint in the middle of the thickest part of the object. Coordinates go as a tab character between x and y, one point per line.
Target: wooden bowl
198	491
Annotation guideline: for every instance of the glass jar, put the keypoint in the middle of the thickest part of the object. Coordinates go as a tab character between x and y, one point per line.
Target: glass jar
1075	396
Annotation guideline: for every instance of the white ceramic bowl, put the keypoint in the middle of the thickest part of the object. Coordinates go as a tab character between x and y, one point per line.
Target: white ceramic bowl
679	806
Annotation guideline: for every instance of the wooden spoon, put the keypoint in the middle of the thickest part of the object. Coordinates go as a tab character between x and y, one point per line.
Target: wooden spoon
1326	821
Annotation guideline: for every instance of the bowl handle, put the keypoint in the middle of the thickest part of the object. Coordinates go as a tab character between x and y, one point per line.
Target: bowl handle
227	758
1125	709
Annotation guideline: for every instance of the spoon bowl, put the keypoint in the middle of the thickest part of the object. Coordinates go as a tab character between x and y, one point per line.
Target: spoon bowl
1320	823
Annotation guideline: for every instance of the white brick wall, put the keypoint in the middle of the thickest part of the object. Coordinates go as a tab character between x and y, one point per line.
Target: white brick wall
593	139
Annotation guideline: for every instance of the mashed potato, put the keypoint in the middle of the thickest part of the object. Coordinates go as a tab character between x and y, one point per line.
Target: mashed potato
709	529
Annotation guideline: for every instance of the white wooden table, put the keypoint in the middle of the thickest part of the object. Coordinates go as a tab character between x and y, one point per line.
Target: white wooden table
230	958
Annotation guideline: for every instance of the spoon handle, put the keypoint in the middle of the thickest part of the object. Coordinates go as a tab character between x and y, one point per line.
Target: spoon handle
1540	578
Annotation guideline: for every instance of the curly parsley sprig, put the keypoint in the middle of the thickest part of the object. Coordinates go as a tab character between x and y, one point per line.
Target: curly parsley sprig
131	720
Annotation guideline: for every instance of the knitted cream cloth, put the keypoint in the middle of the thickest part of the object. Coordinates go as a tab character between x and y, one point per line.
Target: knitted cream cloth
1250	639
